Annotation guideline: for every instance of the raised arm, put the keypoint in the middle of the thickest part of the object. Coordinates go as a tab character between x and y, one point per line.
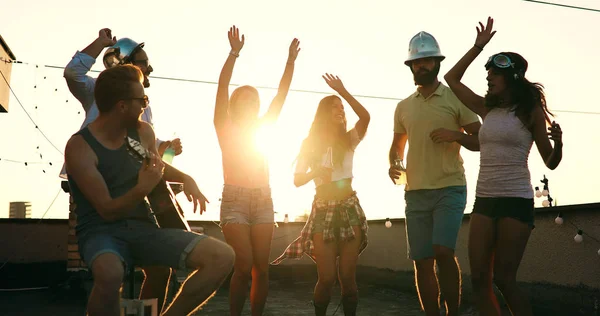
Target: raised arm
222	101
453	77
104	39
284	85
82	166
363	115
79	83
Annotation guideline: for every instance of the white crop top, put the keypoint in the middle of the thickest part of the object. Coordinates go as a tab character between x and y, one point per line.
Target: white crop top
339	172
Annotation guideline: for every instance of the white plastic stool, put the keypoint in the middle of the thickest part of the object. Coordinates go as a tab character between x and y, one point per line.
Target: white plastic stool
138	307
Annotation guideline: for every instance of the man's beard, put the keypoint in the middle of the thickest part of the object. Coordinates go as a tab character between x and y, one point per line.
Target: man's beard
134	122
427	77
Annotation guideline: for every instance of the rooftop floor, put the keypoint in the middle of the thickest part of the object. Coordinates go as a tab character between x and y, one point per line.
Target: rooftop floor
284	299
382	293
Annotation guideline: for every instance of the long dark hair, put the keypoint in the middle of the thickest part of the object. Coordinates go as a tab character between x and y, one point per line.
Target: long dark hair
314	145
524	94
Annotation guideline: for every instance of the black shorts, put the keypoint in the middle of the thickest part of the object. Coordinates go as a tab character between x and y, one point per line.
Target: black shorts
498	207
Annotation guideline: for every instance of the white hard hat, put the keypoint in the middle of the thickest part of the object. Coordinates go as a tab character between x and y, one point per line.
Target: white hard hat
423	45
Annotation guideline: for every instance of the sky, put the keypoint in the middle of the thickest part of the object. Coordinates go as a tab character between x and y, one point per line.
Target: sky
365	43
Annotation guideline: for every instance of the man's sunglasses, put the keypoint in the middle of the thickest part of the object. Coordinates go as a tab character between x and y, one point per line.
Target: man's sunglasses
140	62
144	98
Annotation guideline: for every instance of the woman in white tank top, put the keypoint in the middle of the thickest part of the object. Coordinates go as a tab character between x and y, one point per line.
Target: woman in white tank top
515	115
337	226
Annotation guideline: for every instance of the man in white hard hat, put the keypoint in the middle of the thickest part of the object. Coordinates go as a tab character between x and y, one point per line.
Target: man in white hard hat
435	124
81	85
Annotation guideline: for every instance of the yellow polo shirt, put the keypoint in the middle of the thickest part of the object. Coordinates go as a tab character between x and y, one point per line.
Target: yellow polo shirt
430	165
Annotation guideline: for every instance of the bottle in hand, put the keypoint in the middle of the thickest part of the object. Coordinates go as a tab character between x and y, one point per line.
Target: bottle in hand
170	151
169	154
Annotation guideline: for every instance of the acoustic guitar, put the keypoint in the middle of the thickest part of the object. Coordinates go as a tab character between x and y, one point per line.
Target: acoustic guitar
163	203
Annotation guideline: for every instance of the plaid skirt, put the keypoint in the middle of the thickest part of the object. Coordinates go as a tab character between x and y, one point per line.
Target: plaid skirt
336	227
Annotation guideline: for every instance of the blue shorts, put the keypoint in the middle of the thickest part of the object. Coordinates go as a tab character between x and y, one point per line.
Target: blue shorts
246	206
138	243
433	217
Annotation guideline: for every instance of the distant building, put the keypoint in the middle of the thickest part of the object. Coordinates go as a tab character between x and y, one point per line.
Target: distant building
20	210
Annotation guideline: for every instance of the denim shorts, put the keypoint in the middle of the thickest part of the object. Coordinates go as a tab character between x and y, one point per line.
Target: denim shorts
433	217
138	243
246	206
518	208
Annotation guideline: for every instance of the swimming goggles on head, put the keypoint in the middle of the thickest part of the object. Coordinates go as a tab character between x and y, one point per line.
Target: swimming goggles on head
499	60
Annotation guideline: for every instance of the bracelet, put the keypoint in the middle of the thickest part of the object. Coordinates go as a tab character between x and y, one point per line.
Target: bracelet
234	53
480	48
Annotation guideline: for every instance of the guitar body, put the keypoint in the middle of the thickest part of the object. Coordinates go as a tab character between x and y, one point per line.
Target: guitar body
165	207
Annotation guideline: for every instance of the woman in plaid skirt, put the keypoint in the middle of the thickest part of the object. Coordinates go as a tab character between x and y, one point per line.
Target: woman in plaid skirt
337	226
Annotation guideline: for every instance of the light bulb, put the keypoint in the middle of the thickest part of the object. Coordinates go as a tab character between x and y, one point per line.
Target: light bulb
545	203
599	252
579	237
388	224
545	193
538	193
559	220
286	219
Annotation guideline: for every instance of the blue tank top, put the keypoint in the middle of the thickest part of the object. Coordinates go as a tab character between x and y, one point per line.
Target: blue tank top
120	172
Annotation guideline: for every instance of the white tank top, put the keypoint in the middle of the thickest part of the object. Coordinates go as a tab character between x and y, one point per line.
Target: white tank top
505	144
339	172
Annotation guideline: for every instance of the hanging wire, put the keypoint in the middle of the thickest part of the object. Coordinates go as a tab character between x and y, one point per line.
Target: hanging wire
563	5
27	113
584	233
295	90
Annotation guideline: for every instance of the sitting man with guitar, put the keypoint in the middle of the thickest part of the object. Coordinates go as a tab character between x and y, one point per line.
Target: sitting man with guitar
81	85
110	185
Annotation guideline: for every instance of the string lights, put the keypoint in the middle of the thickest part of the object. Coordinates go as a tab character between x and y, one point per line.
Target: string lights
27	113
560	220
28	163
545	192
388	223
